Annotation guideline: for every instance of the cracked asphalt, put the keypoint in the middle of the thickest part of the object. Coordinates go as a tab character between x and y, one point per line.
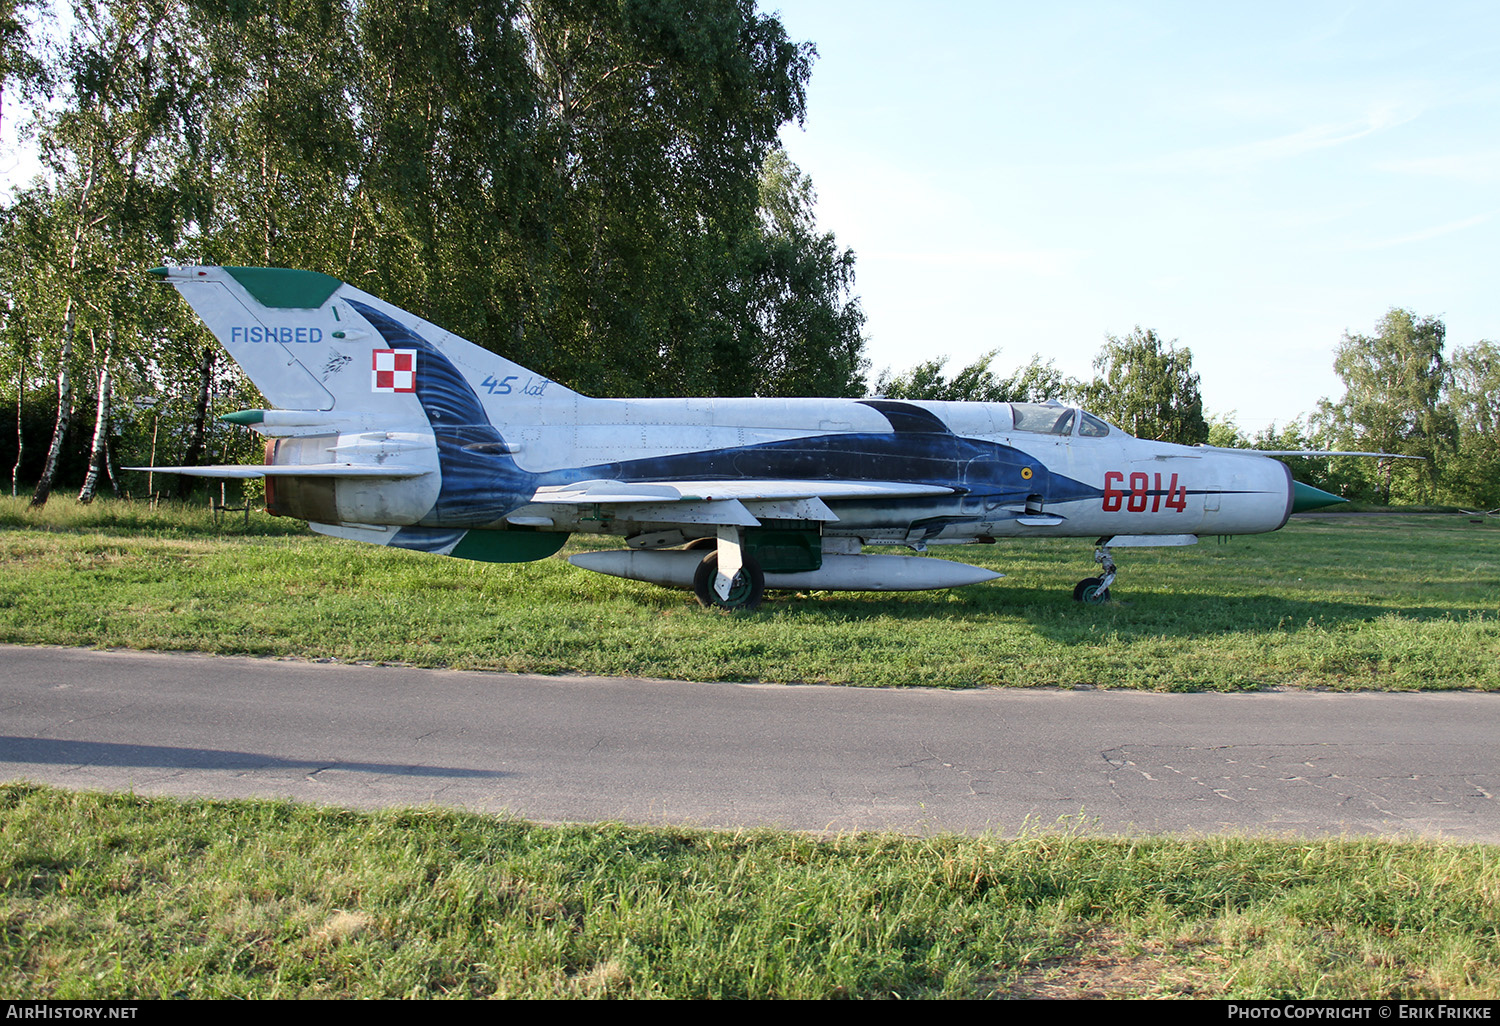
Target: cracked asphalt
1286	763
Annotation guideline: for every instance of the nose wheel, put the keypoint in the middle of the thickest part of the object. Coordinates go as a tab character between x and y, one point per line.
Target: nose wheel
1095	590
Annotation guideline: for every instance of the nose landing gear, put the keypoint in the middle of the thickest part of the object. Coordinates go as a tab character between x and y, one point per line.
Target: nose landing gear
1095	590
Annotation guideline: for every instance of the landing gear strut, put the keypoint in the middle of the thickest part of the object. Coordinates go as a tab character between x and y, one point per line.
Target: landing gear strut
1095	590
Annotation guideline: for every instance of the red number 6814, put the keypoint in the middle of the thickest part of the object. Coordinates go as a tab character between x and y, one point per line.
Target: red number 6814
1141	493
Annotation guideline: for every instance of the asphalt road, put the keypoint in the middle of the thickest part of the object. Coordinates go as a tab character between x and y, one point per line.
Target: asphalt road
729	755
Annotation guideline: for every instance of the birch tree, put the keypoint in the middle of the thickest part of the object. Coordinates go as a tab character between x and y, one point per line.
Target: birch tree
1148	386
1394	389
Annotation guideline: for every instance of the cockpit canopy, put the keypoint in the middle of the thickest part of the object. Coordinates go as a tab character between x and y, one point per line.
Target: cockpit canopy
1055	419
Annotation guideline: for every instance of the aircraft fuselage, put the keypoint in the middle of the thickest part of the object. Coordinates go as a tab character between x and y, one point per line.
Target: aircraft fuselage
393	431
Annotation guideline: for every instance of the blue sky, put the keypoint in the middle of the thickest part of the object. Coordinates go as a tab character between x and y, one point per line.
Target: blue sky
1251	180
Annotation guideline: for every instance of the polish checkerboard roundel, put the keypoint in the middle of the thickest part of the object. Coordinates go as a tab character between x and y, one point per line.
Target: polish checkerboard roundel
394	370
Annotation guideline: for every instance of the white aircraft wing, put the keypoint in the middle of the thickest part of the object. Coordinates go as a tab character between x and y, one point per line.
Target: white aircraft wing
749	489
1306	452
744	503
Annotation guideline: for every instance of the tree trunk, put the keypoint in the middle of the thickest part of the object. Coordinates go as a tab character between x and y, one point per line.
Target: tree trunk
111	462
198	440
64	412
15	471
98	455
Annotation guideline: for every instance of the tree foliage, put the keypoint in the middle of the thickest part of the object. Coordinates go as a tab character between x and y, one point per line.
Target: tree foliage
1403	394
1148	387
801	333
592	187
1395	384
22	67
105	208
1472	475
1035	382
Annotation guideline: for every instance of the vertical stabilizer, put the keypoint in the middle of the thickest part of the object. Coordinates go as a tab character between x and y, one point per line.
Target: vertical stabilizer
303	340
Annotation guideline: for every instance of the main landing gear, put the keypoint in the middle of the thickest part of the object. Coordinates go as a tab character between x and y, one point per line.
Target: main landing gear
1095	590
745	591
746	584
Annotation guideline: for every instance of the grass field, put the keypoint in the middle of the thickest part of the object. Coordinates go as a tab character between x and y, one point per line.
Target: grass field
123	897
1348	603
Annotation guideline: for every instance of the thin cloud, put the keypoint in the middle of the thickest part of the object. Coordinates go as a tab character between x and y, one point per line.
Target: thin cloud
1284	147
1429	233
1478	168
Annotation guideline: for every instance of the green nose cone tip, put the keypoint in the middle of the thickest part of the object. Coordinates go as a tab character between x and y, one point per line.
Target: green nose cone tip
1306	497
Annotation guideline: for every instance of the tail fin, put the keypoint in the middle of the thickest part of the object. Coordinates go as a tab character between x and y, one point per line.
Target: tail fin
312	342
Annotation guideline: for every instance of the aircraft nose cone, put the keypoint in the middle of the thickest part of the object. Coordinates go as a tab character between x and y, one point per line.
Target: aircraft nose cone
1306	497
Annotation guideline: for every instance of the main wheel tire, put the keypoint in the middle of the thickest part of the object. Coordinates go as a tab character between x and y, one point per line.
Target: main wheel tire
1089	591
748	589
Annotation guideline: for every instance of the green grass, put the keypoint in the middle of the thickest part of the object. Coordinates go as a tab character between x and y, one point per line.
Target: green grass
1372	602
116	896
124	897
